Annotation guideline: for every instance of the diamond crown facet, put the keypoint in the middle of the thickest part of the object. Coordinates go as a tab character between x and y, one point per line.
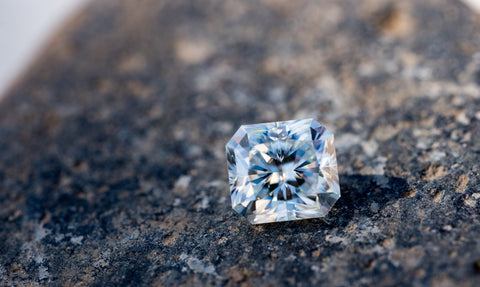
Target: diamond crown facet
282	171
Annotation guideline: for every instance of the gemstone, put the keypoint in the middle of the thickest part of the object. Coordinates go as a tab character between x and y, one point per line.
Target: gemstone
282	171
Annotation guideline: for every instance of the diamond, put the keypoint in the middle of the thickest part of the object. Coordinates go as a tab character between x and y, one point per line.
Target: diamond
282	171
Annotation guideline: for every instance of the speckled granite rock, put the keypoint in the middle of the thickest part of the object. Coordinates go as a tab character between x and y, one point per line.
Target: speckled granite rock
112	166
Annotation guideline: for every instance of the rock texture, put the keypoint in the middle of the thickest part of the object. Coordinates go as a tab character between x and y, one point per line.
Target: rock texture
112	165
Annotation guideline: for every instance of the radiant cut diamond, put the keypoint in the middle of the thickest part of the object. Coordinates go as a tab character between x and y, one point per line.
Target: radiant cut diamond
282	171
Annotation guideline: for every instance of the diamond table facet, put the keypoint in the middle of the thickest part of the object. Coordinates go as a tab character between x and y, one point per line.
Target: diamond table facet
282	171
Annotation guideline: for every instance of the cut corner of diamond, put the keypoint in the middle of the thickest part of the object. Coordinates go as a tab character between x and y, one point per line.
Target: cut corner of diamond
282	171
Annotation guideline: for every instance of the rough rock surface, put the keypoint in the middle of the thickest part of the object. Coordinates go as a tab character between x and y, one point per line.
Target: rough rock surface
112	165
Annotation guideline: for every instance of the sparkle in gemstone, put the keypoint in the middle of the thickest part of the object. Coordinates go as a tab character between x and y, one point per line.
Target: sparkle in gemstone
282	171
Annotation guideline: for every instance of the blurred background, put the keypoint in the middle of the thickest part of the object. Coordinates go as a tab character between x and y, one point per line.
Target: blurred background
25	26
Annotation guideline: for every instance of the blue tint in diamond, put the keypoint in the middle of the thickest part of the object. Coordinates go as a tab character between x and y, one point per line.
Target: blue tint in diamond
282	171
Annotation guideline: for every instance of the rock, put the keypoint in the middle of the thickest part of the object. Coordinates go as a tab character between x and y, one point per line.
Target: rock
112	164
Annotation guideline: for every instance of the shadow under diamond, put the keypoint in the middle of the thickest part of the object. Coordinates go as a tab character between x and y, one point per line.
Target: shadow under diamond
359	193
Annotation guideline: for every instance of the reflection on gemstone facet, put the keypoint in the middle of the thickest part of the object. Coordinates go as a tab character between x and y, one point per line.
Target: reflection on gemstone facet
282	171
